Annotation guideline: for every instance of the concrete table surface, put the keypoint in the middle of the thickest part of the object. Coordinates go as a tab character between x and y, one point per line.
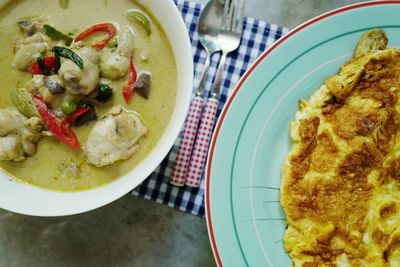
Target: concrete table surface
132	231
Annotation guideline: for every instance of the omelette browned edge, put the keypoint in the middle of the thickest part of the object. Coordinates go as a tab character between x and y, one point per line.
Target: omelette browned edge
341	180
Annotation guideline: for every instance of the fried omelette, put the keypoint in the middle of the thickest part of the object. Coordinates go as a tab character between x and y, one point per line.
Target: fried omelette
341	179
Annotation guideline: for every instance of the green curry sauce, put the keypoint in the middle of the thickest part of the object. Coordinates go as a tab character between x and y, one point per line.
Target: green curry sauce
152	53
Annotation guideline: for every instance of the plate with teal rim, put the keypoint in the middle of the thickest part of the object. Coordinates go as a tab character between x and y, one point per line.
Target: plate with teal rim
245	220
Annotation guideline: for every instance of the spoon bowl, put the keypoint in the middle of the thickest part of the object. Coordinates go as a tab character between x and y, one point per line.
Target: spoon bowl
209	26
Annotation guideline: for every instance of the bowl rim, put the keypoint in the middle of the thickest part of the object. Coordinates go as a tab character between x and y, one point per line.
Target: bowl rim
24	198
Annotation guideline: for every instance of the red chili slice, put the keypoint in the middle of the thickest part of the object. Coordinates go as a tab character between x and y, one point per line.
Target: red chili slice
60	131
109	28
128	88
49	62
69	120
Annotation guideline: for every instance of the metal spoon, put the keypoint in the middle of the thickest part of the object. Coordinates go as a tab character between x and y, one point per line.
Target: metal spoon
208	30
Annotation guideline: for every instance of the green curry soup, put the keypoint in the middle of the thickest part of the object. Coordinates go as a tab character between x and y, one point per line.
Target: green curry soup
50	166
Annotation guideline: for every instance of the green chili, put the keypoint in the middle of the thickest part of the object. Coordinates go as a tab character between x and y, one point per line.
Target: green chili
113	43
56	35
60	51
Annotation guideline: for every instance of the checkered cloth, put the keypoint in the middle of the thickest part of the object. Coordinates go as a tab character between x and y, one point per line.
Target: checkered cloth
257	36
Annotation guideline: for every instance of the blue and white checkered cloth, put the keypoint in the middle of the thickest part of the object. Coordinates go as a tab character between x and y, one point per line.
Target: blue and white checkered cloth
257	36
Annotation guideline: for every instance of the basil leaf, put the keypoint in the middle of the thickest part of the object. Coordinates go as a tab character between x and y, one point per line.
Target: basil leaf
57	35
58	64
60	51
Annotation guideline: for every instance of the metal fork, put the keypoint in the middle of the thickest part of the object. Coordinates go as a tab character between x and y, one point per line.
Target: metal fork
228	40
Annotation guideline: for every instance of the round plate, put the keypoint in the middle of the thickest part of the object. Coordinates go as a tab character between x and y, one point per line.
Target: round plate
245	220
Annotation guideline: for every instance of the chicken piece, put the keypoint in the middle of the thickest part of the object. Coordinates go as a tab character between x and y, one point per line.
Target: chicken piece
115	137
27	54
126	42
28	27
32	45
11	148
36	38
32	25
10	121
50	88
114	62
81	81
53	84
18	135
35	83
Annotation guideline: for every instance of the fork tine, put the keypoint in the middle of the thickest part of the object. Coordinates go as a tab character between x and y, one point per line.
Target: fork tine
227	15
232	16
239	25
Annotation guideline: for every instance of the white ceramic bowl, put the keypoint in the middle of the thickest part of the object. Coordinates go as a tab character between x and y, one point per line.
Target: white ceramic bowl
26	199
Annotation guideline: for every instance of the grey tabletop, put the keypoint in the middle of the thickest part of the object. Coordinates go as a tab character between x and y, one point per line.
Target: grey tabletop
132	231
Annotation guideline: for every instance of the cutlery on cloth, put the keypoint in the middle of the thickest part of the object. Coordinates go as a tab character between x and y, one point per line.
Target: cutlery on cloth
256	38
208	29
228	39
